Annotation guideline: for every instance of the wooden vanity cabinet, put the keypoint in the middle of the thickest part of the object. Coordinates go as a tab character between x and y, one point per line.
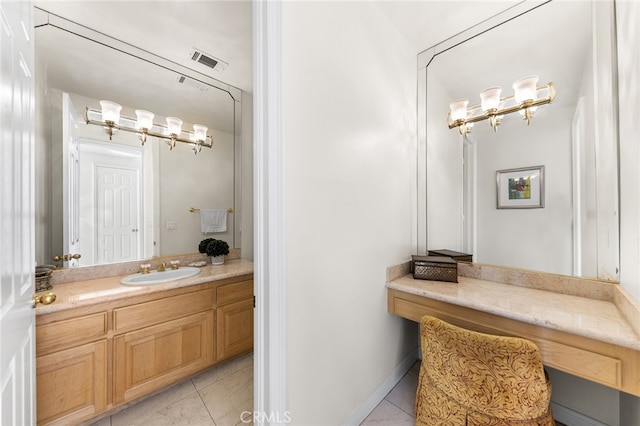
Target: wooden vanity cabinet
93	359
171	339
71	369
234	325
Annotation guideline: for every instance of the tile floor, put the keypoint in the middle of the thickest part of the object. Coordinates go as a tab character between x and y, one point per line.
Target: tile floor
398	407
218	396
215	397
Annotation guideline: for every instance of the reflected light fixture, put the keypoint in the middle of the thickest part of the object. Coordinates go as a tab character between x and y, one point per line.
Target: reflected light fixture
525	100
109	117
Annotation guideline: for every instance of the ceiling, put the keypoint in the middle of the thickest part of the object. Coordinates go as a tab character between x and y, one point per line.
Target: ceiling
171	29
223	28
425	23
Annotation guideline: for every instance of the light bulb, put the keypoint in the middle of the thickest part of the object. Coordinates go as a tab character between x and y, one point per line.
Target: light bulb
174	126
526	89
110	111
459	109
145	119
199	132
490	98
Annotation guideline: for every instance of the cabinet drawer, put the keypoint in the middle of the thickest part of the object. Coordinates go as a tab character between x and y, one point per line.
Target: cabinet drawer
60	334
235	292
590	365
157	311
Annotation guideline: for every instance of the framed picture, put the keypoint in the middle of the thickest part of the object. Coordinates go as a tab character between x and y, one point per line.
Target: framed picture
520	188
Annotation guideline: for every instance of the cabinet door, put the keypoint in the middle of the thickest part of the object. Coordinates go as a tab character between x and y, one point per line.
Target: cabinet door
72	384
154	357
234	328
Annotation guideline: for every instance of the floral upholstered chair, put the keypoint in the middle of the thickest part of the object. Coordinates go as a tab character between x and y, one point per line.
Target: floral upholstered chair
476	379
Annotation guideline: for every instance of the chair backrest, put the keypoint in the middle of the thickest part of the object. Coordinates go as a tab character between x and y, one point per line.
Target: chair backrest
494	376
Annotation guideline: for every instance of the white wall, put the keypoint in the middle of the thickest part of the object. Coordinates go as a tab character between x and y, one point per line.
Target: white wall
209	184
628	34
444	173
42	153
548	231
628	26
349	132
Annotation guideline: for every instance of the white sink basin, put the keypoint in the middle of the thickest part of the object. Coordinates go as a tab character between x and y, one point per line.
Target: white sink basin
155	277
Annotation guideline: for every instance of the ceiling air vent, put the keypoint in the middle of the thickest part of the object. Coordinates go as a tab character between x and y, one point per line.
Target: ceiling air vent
207	60
193	83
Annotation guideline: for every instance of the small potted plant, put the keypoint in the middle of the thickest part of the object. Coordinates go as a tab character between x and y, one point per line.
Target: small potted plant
217	249
202	247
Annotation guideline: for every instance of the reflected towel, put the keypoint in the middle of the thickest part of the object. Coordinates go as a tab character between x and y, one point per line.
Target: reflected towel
213	220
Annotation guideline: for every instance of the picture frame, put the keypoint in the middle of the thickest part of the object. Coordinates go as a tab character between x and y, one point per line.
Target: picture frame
521	188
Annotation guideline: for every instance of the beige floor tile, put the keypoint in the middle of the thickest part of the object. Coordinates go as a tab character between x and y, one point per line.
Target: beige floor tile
229	397
221	371
387	414
403	395
187	411
140	411
106	421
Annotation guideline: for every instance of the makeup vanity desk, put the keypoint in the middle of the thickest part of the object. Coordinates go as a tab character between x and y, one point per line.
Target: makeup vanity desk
587	328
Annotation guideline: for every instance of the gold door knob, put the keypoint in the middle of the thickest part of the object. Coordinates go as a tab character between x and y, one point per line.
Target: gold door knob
45	299
66	257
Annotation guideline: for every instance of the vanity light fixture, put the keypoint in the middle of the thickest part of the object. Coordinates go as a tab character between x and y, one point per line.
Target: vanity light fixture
109	117
525	100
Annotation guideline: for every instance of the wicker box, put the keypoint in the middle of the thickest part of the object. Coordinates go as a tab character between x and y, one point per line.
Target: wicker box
42	275
455	255
434	268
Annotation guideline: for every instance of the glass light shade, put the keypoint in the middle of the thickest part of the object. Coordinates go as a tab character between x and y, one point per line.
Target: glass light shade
174	126
526	89
490	98
200	132
110	111
459	109
144	119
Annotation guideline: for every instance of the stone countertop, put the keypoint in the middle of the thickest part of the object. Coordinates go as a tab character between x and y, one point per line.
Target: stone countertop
100	290
591	318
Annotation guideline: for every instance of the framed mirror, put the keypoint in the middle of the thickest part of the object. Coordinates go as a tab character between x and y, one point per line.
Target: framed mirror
574	139
114	199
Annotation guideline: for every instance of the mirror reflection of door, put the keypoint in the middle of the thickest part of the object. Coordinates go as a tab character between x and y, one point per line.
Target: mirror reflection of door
110	206
70	186
116	208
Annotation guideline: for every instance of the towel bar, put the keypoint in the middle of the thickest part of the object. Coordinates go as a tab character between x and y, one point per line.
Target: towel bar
194	210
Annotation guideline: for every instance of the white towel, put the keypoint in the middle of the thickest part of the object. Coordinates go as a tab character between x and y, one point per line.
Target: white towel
213	220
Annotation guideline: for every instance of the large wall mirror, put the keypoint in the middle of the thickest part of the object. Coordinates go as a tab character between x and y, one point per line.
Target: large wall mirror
114	199
575	232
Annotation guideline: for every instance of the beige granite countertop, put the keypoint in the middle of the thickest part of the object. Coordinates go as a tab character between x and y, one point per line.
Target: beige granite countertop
592	318
88	292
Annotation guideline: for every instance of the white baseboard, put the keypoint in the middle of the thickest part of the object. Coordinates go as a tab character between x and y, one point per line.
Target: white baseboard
361	413
572	418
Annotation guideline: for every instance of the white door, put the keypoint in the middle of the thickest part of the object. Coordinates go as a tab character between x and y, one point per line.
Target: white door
17	220
117	210
70	183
